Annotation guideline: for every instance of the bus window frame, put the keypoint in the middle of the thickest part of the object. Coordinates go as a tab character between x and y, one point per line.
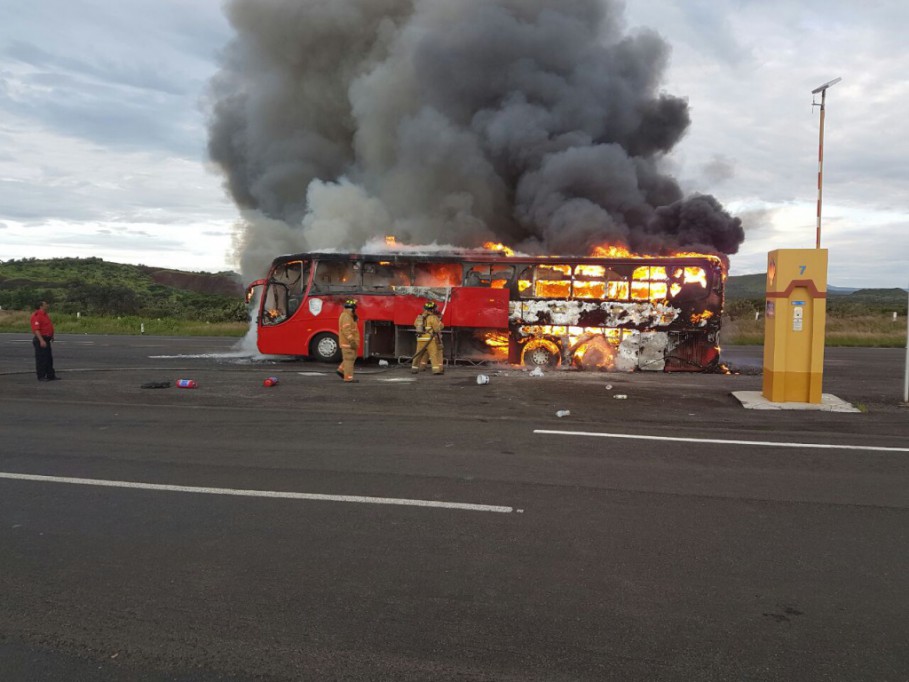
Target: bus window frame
406	268
315	288
455	278
492	274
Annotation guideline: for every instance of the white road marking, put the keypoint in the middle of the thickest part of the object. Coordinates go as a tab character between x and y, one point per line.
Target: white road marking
258	493
216	356
720	442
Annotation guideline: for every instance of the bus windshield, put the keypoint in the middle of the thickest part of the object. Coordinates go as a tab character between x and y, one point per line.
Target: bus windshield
286	288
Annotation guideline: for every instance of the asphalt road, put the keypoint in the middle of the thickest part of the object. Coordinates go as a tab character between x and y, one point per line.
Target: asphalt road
426	530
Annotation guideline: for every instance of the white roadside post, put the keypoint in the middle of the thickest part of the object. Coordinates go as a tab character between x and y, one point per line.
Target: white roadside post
906	367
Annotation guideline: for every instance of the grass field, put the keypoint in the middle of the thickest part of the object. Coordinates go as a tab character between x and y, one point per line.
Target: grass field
877	331
17	321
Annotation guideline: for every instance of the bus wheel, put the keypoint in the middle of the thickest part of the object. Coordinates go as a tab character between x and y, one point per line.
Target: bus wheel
325	348
541	353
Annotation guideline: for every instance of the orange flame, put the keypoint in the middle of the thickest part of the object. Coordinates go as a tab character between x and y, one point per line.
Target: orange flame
609	251
494	246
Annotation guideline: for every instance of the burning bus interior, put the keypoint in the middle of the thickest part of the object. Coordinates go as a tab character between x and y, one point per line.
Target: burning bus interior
622	314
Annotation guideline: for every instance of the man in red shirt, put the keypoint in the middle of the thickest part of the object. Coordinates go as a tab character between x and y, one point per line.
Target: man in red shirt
43	329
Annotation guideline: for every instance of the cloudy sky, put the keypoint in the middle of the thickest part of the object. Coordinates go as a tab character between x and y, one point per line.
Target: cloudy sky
103	128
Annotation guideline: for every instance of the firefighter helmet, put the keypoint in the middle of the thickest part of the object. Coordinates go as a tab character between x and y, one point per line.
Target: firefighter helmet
350	303
429	305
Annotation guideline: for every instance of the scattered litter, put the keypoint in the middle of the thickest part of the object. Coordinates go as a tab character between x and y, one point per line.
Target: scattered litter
383	363
187	383
482	379
156	384
563	413
538	372
270	381
608	387
620	396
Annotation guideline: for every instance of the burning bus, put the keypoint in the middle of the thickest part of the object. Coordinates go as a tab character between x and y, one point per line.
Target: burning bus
614	312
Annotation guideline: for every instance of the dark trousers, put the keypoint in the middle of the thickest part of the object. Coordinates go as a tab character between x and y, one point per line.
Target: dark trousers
44	359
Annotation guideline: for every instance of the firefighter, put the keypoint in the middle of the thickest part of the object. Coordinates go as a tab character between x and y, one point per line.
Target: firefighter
429	339
348	340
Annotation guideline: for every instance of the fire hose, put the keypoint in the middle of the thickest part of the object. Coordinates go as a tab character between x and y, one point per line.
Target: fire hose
420	353
447	298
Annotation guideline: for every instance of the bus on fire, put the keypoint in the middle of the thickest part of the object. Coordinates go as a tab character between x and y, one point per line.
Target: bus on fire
623	313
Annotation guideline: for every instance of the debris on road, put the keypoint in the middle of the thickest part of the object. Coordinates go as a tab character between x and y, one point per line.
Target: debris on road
156	384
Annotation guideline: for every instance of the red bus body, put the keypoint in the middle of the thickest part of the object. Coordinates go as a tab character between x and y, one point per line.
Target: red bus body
648	313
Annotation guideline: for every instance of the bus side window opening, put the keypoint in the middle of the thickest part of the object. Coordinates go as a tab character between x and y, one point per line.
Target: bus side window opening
437	274
385	276
617	287
477	276
589	281
489	276
335	277
500	276
649	283
525	282
552	281
688	283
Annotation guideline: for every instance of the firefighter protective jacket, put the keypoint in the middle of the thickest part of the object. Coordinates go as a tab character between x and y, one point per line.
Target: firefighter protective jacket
427	323
348	332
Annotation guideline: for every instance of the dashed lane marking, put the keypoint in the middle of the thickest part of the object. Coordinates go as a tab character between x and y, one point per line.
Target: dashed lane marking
767	443
275	494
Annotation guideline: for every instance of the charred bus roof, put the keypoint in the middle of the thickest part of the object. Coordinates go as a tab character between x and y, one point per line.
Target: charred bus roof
490	257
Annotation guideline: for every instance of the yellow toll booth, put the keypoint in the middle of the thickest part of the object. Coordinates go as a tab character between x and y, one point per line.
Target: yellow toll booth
794	325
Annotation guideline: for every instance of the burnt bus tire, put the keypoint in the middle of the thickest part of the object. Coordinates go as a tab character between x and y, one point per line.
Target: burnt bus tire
325	348
541	356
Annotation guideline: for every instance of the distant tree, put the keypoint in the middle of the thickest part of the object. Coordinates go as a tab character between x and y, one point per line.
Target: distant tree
103	299
742	308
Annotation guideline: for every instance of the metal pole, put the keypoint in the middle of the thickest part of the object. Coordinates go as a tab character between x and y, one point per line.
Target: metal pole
820	168
820	151
906	369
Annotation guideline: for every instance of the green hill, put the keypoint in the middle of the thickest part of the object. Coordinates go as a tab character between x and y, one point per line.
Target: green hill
746	286
92	286
751	288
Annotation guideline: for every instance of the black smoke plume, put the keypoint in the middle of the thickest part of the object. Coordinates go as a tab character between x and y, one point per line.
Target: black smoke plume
537	123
